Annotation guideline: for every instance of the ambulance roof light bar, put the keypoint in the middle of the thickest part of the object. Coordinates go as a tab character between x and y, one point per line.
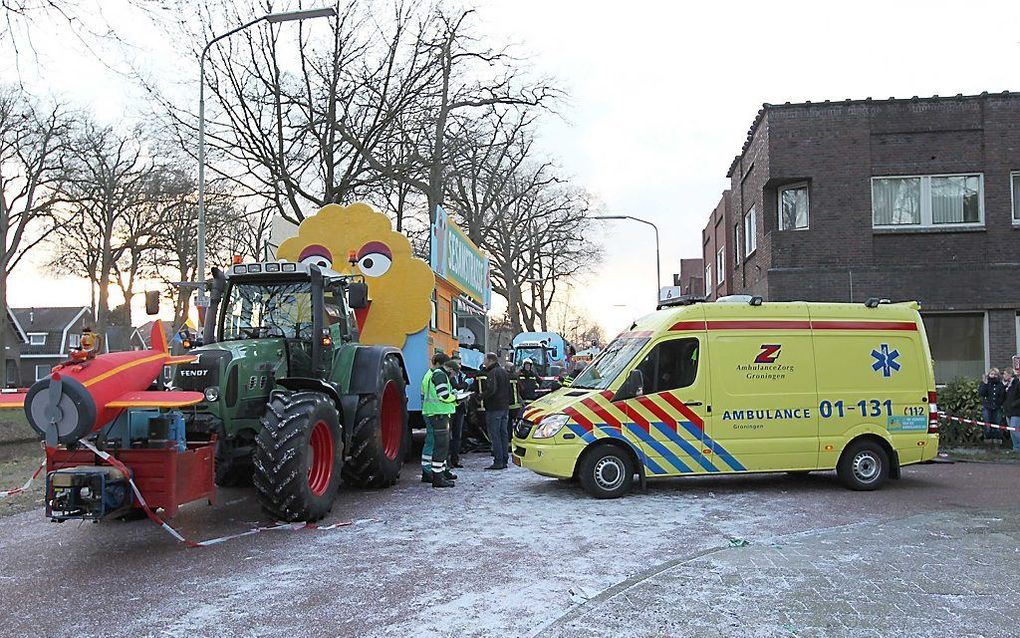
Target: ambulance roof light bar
682	300
873	302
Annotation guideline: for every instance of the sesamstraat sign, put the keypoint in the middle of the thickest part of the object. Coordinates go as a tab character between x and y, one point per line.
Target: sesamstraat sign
455	258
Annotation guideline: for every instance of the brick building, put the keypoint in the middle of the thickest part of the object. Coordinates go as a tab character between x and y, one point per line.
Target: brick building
690	279
900	199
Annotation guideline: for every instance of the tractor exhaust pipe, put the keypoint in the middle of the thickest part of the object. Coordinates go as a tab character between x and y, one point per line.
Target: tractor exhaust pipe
219	282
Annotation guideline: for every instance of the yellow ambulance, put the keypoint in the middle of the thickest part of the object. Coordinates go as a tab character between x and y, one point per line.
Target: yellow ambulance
738	386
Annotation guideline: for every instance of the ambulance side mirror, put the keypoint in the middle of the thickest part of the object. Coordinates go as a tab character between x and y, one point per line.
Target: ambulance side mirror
634	386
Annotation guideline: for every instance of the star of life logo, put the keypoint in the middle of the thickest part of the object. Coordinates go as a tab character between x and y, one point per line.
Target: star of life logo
885	360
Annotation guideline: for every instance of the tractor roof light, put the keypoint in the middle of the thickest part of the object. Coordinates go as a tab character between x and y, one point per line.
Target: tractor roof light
272	267
289	267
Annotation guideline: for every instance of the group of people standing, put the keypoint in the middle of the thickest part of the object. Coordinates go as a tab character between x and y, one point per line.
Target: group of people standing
444	414
1000	403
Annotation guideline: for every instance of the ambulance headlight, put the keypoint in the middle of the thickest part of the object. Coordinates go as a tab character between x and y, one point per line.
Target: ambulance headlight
550	426
212	394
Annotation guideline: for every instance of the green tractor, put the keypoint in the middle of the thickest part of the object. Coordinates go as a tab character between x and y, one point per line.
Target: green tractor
296	403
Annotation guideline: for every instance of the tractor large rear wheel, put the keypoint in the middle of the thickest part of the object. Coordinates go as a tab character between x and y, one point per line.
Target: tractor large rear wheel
380	437
298	456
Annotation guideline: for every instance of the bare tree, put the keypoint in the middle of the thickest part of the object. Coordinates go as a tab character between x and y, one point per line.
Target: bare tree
465	80
108	220
174	256
33	147
514	205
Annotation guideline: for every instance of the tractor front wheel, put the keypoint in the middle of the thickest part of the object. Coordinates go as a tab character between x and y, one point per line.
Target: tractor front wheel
380	436
298	456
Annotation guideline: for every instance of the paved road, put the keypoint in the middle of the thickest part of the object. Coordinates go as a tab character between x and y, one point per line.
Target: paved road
512	554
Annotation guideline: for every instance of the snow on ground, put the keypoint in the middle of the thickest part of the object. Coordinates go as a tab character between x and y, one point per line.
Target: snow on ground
504	553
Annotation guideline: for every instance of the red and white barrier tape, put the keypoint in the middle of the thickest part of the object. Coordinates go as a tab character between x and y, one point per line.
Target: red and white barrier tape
959	419
28	483
212	541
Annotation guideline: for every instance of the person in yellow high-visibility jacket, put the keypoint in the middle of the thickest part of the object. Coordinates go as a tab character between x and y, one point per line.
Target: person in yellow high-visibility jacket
438	404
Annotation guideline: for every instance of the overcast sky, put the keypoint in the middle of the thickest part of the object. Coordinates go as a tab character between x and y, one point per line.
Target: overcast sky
661	97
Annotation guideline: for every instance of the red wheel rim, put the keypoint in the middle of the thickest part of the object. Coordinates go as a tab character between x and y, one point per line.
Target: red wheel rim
391	421
320	465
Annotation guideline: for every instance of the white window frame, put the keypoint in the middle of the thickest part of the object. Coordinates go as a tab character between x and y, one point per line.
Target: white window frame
46	368
74	340
33	335
926	212
720	265
750	238
736	245
1014	207
807	198
708	280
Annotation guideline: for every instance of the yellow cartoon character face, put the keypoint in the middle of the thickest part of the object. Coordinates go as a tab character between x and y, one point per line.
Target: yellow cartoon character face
399	284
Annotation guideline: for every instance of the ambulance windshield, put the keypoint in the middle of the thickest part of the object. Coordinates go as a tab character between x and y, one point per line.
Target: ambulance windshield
610	363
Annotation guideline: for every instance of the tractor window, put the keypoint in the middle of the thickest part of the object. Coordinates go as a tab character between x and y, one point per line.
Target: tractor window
332	308
670	365
254	311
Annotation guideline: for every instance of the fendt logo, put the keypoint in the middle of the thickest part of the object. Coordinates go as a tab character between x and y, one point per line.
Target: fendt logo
768	354
192	373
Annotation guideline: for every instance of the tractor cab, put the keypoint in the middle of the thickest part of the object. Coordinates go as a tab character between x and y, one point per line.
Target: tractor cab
304	307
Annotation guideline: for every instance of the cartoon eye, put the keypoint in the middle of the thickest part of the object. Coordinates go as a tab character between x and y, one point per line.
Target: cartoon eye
374	259
317	255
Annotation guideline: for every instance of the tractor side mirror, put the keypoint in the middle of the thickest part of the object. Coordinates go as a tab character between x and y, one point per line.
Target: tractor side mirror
634	386
152	302
357	295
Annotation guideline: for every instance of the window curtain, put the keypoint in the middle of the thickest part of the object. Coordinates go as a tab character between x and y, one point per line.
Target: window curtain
897	201
795	208
955	200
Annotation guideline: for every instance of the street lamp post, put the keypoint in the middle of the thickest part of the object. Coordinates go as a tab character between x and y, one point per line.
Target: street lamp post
658	271
272	18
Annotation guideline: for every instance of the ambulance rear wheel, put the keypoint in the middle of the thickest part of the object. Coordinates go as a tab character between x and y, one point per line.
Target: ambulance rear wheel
864	466
606	472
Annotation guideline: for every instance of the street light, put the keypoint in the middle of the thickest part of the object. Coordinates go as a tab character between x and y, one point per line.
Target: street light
272	18
658	272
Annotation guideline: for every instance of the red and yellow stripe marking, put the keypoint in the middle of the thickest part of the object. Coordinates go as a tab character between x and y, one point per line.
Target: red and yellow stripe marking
792	324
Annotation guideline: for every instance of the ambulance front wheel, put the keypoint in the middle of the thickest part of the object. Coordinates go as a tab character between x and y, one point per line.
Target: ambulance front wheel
606	472
864	466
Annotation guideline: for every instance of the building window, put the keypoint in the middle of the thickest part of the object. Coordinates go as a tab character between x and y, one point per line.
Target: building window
42	371
1014	191
927	201
432	319
74	341
750	232
793	207
708	280
720	264
957	344
37	338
